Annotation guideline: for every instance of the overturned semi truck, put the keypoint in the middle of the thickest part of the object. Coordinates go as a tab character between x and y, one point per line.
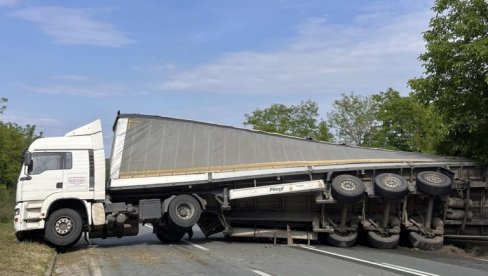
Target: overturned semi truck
175	173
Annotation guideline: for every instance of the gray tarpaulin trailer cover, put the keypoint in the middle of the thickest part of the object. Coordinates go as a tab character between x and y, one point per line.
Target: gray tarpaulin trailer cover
152	146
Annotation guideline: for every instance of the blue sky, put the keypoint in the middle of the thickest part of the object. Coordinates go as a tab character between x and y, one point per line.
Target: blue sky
66	63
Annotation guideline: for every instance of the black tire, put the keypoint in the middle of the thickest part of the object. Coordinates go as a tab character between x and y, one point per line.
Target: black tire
347	188
184	211
433	183
425	243
390	186
169	237
21	236
339	240
63	228
378	241
322	238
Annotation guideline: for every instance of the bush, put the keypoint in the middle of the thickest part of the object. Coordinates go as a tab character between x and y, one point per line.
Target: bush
7	204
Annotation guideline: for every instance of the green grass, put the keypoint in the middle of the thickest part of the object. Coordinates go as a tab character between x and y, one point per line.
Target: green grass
22	258
18	258
7	204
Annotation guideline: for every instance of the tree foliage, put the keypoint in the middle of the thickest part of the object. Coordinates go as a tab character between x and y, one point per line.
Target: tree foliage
300	120
3	105
405	124
13	140
455	77
354	118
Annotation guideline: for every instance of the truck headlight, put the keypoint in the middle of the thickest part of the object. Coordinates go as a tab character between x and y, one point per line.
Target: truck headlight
16	212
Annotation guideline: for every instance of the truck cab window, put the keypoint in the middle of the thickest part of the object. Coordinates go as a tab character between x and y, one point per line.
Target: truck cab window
50	161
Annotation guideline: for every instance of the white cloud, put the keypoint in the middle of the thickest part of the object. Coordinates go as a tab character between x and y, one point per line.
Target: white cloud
368	55
73	26
94	90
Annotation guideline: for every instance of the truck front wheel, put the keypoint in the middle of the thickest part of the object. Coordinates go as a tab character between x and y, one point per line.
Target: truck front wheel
63	227
21	236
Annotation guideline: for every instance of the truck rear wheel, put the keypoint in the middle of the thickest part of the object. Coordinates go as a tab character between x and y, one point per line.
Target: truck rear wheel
390	186
383	242
425	243
342	240
184	211
63	227
433	183
347	188
169	237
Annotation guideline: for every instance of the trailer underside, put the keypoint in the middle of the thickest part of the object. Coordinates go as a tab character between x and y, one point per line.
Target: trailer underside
318	215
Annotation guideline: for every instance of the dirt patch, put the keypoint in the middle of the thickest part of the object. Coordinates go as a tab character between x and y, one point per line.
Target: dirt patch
140	256
466	250
22	258
191	256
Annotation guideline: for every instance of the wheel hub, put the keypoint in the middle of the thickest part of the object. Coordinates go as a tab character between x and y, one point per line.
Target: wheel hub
348	185
63	226
433	178
184	210
391	181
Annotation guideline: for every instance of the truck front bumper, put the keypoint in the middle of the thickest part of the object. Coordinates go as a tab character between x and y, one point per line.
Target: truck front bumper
24	220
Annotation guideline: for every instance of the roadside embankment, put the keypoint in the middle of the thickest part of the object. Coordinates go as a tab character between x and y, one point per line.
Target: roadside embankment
22	258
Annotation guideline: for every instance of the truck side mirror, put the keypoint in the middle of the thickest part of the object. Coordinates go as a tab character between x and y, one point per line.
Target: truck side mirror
27	160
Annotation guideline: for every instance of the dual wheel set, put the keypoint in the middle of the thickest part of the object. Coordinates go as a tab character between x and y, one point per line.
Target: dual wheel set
383	224
183	212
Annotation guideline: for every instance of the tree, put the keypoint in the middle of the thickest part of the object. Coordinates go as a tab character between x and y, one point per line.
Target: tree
455	79
3	107
405	124
13	140
300	120
354	118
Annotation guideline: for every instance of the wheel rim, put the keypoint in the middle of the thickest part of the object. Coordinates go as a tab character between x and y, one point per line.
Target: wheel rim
348	185
185	210
63	226
433	178
391	181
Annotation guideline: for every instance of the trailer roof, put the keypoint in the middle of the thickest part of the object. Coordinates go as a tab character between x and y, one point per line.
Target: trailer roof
154	145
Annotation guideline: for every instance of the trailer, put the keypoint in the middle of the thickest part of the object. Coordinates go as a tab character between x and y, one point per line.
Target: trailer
174	174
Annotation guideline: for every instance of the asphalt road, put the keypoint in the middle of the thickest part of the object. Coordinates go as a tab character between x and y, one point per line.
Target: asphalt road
145	255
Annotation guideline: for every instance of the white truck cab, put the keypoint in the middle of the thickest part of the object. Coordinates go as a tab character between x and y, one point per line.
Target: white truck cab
59	172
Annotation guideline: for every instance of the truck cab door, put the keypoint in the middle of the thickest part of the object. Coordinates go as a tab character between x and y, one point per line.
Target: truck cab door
46	176
77	179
